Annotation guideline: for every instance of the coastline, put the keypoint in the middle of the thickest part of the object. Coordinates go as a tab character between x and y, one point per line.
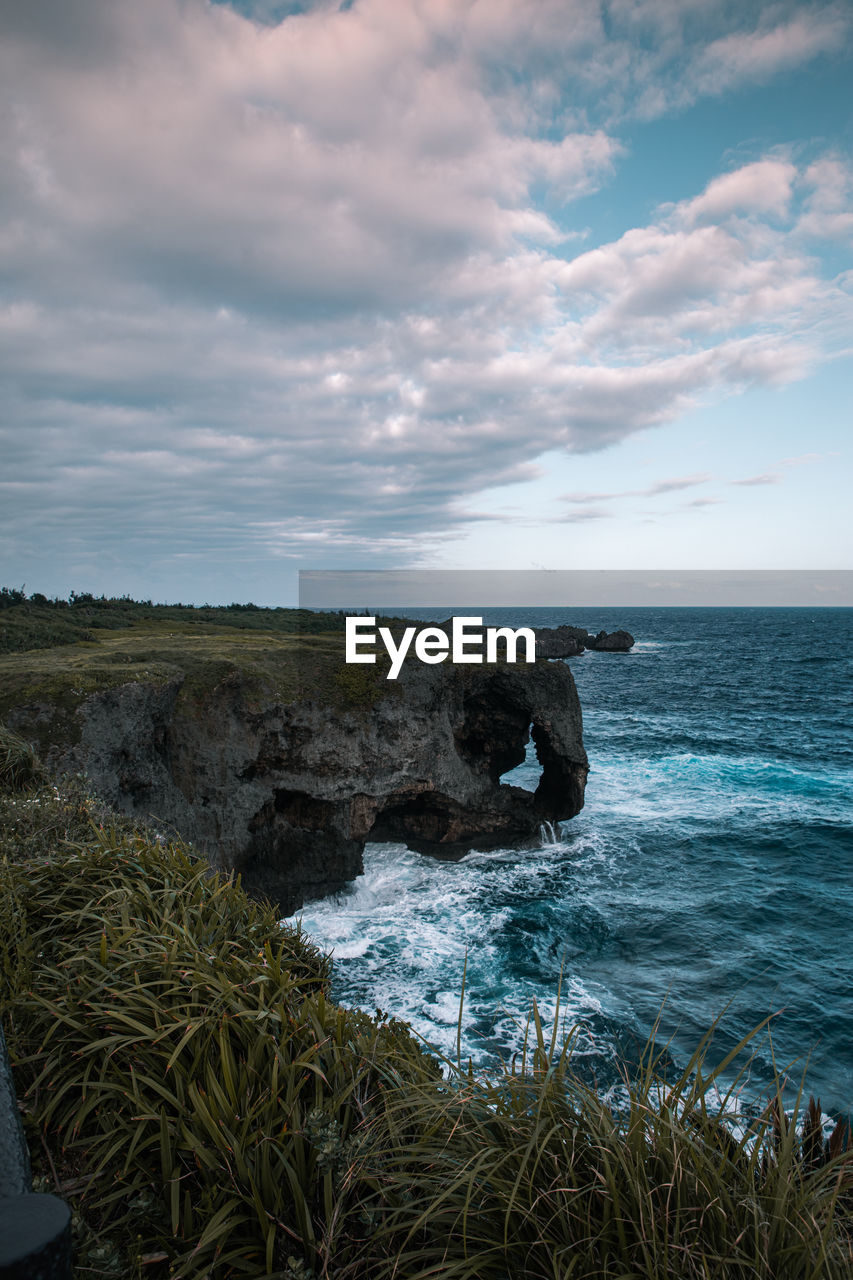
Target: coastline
167	1034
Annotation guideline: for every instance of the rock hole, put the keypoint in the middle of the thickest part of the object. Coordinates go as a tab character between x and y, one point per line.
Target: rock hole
495	731
528	774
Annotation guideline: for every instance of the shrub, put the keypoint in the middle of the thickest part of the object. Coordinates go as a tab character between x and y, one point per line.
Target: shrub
179	1052
20	768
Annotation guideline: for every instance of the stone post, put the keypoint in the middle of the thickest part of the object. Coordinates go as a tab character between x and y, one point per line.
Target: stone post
35	1230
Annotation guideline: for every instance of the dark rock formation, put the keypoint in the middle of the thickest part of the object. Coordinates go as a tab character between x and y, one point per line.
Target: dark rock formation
568	642
614	642
560	642
565	641
287	792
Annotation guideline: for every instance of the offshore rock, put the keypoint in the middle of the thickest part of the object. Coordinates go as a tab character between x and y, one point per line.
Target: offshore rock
560	642
614	642
569	642
287	790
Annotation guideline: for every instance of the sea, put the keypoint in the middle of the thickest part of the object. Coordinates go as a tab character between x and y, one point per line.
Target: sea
707	882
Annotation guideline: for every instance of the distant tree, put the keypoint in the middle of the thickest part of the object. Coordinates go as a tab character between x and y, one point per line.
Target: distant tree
10	596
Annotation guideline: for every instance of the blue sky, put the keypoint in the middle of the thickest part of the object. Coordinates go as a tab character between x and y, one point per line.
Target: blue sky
421	283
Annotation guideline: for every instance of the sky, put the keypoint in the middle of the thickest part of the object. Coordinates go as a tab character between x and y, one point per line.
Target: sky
454	284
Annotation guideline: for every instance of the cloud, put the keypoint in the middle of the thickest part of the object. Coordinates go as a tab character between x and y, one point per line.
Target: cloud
582	515
803	459
338	159
685	482
749	56
828	213
679	281
764	187
310	280
662	486
664	55
767	477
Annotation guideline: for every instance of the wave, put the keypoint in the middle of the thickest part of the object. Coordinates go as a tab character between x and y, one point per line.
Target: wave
709	864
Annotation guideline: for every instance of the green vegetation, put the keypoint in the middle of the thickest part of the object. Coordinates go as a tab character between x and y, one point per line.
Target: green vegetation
57	653
19	765
36	622
207	1109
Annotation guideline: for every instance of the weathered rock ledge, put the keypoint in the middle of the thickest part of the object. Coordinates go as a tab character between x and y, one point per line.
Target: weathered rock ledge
287	791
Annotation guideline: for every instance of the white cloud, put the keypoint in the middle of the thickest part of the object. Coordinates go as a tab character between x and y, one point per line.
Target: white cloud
704	271
766	477
747	56
803	459
663	55
763	188
828	211
312	282
337	159
582	515
670	485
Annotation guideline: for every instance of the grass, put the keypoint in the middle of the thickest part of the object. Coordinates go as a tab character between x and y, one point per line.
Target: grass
187	1079
55	654
38	623
209	1111
44	688
19	765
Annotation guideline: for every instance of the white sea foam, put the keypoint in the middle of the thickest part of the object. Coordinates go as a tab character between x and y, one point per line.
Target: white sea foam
402	935
713	787
443	1009
708	855
351	949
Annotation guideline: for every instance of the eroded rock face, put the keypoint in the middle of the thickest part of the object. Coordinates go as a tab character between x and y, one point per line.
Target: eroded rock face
288	794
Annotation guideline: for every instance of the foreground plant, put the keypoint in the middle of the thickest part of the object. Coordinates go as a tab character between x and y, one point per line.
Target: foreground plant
20	768
533	1175
209	1111
177	1045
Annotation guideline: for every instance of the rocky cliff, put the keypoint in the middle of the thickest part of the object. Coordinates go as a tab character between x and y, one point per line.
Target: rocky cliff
287	788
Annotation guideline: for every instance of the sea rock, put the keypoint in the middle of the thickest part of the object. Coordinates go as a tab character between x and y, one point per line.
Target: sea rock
614	642
560	642
568	642
288	790
564	641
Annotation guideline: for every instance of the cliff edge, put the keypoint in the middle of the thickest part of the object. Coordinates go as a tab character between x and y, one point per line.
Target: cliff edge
278	761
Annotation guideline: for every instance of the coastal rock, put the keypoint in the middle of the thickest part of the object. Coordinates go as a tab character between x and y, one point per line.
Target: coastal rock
564	641
568	642
288	790
560	642
614	642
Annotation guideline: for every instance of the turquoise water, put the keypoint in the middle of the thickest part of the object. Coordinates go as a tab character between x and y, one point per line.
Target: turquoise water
710	866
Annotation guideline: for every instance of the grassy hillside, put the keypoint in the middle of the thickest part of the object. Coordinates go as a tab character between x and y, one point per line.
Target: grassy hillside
35	622
59	652
190	1086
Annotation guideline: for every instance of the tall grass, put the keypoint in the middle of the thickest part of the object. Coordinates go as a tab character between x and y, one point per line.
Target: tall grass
179	1050
192	1088
20	768
533	1175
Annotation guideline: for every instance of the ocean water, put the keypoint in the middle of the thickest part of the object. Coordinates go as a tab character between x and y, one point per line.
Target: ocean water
709	874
